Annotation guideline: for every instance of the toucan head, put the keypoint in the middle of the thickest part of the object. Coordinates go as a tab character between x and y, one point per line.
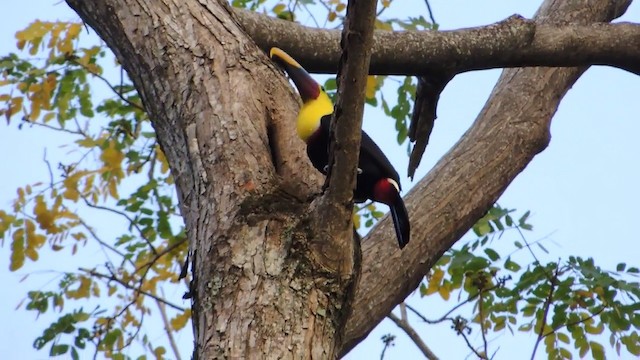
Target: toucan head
308	88
315	101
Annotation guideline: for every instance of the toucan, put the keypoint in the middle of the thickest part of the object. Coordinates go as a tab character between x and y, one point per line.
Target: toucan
377	180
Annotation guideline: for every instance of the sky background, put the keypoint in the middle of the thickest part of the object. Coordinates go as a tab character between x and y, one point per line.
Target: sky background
582	190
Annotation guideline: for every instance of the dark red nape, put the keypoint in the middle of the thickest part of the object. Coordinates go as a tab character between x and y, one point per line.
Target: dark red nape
384	192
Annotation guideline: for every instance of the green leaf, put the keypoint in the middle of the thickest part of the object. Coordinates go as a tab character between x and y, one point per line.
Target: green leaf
511	265
597	351
492	254
58	349
621	267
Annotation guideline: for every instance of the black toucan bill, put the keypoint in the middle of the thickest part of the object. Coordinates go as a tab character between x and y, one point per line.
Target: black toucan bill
377	179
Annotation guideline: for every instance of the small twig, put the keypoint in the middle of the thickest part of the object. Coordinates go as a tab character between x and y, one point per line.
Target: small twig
433	20
575	322
103	243
162	253
478	354
413	334
52	127
128	286
123	214
44	158
108	83
167	329
446	316
547	306
403	312
482	327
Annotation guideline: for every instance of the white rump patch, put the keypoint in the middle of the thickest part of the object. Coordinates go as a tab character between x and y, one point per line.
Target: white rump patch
394	183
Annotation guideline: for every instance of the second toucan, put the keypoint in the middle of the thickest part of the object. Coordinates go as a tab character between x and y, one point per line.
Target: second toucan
377	179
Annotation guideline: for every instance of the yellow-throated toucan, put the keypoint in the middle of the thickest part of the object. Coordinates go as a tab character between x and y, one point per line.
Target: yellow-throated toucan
377	179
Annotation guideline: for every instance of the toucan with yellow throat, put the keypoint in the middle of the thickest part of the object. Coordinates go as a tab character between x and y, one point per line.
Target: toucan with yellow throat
377	180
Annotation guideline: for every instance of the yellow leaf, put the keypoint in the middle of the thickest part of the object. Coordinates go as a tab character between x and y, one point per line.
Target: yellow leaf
279	8
112	290
112	157
444	292
74	30
356	220
159	352
44	217
82	291
383	26
17	250
179	322
16	105
113	189
341	7
31	254
164	164
95	290
332	16
371	87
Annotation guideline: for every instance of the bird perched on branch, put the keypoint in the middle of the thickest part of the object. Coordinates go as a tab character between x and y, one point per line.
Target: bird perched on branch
377	180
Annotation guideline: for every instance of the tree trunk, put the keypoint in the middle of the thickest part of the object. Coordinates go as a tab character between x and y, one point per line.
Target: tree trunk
224	116
263	285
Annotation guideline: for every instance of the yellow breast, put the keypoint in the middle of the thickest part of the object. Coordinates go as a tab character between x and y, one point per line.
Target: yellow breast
311	113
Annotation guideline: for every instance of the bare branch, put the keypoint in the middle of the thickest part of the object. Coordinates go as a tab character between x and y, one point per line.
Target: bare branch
347	119
594	314
547	305
108	83
413	334
137	290
167	329
124	215
514	42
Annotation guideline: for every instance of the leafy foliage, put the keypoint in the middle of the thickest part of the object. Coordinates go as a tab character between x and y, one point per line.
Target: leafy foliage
566	304
114	151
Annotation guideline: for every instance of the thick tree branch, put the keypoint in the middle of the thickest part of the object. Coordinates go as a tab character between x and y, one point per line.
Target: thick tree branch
413	334
511	129
346	123
514	42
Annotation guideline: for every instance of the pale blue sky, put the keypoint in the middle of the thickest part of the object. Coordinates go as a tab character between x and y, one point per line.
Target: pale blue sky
582	191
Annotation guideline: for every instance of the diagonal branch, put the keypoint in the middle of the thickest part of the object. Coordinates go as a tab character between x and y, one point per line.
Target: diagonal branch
511	129
413	334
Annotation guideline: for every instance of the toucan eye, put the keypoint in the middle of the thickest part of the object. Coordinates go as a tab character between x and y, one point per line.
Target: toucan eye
322	88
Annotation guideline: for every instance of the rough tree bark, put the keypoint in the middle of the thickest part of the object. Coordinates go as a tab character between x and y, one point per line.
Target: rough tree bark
263	286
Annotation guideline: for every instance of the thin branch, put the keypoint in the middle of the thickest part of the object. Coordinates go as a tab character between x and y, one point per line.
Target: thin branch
160	254
123	214
46	161
108	83
482	326
44	125
547	306
413	334
593	315
167	329
433	20
446	316
103	243
547	275
478	354
128	286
